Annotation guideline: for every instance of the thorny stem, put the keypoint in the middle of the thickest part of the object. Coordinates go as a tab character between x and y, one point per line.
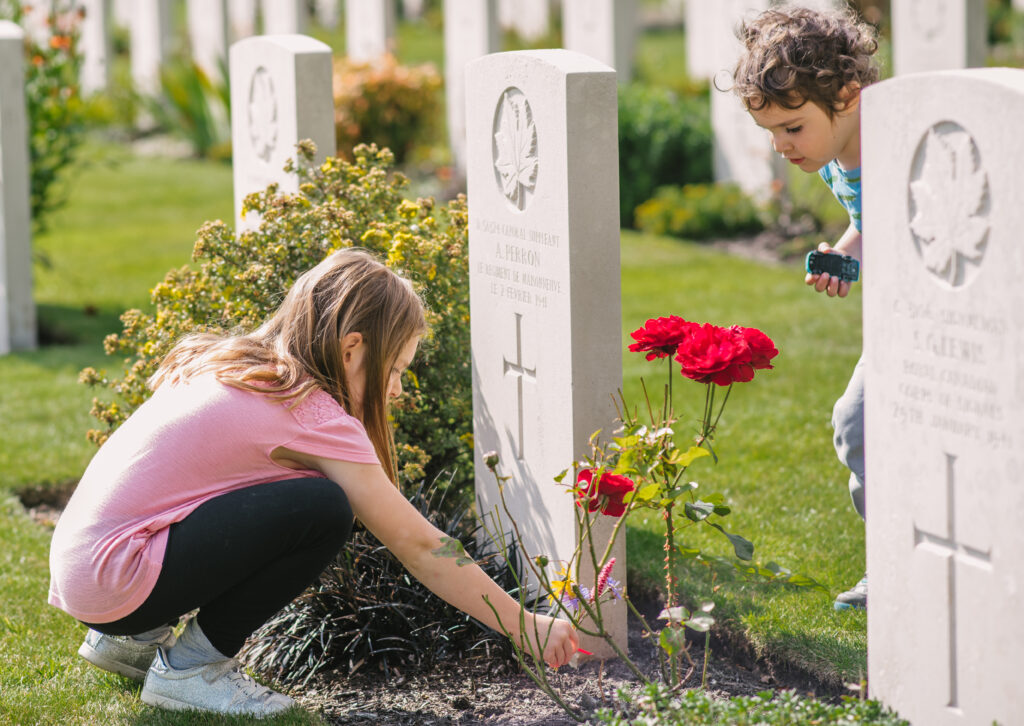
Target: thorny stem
670	584
539	676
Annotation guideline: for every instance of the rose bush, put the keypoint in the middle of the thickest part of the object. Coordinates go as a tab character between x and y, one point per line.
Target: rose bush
642	468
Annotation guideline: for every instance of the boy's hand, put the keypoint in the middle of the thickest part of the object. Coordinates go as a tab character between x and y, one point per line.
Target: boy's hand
557	638
824	282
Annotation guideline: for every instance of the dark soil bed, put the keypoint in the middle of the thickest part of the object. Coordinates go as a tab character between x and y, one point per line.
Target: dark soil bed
499	693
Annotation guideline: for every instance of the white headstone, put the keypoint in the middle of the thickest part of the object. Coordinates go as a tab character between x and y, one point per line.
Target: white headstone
150	45
507	14
742	151
413	9
603	29
284	17
97	50
122	10
328	13
938	36
944	383
544	284
470	31
280	94
369	29
17	310
208	34
242	18
1018	5
531	19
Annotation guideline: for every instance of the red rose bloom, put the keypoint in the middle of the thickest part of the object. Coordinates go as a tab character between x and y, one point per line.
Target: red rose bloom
762	349
606	495
713	354
661	336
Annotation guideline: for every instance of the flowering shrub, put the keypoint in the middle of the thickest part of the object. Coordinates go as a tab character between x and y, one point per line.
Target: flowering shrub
641	468
56	115
240	281
699	212
384	103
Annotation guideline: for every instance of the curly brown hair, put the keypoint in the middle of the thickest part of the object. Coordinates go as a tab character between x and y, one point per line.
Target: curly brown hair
793	54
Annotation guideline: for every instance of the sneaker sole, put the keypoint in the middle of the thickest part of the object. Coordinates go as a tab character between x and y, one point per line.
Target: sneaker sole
842	606
171	704
101	661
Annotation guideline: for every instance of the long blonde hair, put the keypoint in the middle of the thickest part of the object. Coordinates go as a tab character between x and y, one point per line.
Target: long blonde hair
298	349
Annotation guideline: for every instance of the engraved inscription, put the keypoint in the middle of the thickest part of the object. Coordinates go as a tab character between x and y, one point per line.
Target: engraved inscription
516	264
262	114
947	380
953	552
949	204
515	148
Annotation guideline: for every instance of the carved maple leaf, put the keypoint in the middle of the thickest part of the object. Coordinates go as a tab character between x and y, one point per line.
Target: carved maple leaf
948	196
262	114
516	139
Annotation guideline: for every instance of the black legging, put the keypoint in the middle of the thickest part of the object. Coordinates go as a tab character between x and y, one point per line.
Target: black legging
241	557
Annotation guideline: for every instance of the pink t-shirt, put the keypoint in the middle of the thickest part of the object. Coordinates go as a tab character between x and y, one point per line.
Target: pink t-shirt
188	443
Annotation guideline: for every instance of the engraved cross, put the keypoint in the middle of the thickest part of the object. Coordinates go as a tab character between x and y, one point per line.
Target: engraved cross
521	373
953	552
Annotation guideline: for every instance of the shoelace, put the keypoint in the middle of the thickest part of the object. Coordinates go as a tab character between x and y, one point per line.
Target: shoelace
246	685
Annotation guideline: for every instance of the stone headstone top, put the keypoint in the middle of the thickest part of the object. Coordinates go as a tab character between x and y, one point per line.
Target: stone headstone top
369	29
937	36
944	382
603	29
280	94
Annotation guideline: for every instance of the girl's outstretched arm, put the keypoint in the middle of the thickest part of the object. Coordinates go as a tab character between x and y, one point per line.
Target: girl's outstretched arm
412	539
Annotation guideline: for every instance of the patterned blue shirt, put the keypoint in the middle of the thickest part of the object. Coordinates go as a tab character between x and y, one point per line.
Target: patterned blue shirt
845	185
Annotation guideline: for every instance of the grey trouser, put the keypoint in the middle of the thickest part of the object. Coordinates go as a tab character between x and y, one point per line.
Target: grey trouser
848	423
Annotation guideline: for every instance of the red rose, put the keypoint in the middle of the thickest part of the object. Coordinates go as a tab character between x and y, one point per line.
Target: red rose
713	354
661	336
606	495
762	349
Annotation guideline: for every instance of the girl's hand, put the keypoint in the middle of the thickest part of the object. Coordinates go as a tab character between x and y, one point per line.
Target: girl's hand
555	638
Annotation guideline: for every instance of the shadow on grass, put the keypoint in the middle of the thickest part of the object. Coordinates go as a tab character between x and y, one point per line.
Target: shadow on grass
62	325
810	659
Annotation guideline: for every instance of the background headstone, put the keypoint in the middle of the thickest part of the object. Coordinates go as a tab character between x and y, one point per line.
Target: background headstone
531	19
207	22
742	151
944	372
122	13
937	36
242	18
413	9
328	13
97	50
283	17
603	29
17	309
470	31
280	94
544	284
369	29
150	43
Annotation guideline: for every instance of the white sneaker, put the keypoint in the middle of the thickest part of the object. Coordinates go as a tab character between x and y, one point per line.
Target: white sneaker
219	687
122	654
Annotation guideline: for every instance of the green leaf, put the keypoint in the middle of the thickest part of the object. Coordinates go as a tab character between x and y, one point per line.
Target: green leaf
626	462
698	510
690	456
742	546
721	510
672	640
688	552
451	547
647	493
700	623
558	479
675	614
